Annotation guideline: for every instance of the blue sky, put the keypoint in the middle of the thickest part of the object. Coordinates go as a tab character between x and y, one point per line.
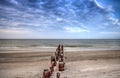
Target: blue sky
60	19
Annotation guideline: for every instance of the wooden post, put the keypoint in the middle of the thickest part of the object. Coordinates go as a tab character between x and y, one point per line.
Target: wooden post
58	75
62	48
61	59
56	55
53	61
58	47
61	66
46	73
52	69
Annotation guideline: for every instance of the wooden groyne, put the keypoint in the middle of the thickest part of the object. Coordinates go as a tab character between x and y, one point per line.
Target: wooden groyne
57	60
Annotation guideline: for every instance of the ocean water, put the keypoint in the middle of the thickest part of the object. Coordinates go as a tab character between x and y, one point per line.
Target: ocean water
51	44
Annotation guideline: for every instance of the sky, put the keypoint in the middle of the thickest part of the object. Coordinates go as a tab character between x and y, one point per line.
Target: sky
59	19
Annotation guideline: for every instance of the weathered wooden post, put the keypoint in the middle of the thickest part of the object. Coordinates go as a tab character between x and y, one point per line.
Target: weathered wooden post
61	66
61	59
56	56
53	61
62	48
58	75
61	55
51	69
46	73
58	50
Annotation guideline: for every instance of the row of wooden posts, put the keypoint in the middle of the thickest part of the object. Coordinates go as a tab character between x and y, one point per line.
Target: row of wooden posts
57	58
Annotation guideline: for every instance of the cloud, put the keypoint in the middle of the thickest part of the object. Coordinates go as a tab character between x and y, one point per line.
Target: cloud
15	24
14	31
44	16
14	2
17	33
110	33
75	30
115	21
98	4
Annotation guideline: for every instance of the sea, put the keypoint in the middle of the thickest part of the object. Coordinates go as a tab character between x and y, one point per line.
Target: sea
51	44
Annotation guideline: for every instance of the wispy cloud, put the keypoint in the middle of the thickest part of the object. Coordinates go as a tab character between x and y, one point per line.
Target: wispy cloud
110	33
14	31
58	16
75	30
98	4
115	21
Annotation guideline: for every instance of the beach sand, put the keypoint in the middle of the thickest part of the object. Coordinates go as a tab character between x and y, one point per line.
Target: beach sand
79	64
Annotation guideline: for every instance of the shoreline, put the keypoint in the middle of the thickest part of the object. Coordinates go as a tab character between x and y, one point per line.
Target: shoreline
79	64
53	49
9	57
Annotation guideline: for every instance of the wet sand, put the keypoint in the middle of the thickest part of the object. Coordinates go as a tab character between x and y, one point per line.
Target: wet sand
82	64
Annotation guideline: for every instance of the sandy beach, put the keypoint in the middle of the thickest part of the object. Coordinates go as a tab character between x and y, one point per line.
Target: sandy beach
59	38
82	64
